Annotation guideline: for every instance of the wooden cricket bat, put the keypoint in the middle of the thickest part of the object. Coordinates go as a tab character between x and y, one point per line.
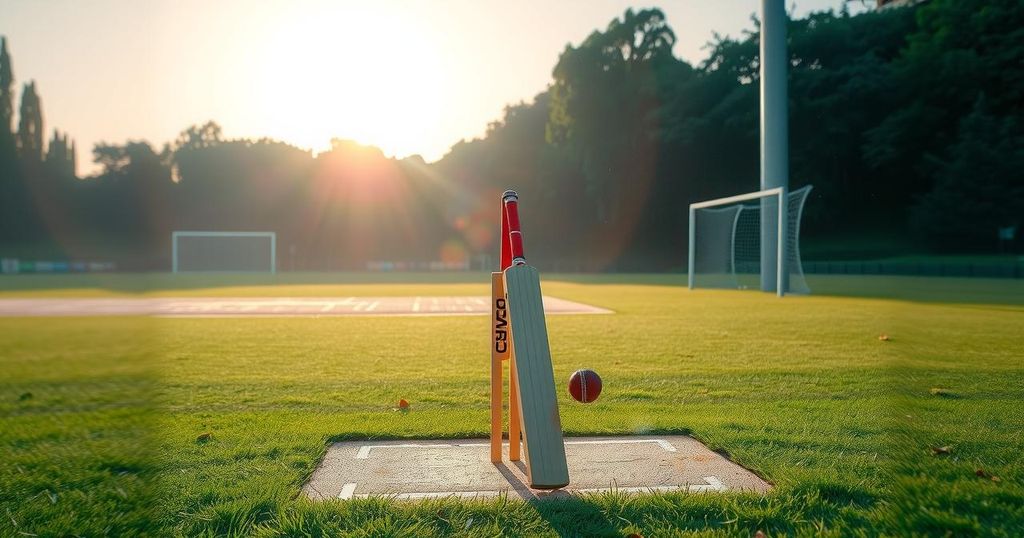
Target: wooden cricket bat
538	401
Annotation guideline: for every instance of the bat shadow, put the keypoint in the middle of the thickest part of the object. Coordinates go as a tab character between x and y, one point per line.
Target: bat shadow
568	515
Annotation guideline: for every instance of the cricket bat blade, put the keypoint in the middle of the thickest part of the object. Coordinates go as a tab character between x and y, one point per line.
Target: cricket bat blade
538	401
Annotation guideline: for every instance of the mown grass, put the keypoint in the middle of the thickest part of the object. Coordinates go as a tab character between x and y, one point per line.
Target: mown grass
111	439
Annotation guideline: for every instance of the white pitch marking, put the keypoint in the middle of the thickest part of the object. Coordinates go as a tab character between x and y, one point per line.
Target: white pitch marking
364	451
327	307
661	442
666	445
347	490
416	305
359	307
372	306
715	483
479	301
468	308
435	495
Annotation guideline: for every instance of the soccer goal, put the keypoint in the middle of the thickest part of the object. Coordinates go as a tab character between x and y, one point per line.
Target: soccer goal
224	252
734	242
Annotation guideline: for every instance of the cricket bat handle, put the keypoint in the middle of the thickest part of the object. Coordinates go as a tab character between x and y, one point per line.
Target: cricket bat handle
515	237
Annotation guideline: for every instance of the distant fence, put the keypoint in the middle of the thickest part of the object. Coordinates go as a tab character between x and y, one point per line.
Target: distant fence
922	268
15	266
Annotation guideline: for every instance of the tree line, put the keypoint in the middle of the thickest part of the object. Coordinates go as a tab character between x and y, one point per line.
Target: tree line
907	121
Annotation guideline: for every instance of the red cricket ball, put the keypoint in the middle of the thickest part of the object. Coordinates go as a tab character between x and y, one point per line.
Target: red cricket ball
585	385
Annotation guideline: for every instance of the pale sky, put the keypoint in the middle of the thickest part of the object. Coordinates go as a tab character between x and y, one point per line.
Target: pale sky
408	76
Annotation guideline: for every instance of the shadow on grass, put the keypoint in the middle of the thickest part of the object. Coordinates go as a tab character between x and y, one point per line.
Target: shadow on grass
574	516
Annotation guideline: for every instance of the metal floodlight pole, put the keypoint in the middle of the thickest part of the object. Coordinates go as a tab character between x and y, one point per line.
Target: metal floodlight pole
774	138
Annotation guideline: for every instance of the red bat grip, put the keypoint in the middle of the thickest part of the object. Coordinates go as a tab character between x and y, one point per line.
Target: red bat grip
515	237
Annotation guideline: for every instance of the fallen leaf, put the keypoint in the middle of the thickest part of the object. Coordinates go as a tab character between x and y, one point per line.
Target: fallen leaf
941	450
759	534
996	479
403	404
634	535
884	337
204	437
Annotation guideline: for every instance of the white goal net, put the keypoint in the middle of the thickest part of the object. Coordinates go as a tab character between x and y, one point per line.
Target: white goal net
224	252
734	242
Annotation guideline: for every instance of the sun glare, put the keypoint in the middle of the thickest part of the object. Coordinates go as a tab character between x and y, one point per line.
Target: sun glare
360	74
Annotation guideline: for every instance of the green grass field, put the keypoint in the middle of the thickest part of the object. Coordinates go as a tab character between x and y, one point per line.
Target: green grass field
103	419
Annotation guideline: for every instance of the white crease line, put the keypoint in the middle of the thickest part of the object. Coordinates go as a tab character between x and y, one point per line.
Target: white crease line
416	305
434	495
713	484
661	442
347	490
327	307
372	306
364	451
479	301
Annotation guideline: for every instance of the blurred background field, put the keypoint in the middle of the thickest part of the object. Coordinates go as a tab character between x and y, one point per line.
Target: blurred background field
363	284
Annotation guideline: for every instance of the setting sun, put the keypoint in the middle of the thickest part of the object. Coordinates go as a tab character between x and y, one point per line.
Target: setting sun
369	75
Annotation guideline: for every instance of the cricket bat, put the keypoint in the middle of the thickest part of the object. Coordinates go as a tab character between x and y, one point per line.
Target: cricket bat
538	402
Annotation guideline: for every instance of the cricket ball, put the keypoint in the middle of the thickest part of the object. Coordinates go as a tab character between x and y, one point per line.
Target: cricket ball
585	385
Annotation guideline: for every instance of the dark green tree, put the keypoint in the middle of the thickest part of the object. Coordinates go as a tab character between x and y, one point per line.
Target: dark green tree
978	185
60	156
6	90
604	101
30	125
199	136
12	197
957	50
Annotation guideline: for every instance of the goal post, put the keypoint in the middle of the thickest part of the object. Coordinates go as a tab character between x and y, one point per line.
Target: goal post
223	252
748	240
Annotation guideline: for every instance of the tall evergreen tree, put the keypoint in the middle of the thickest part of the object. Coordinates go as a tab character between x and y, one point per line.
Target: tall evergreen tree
6	89
30	125
60	159
11	206
73	156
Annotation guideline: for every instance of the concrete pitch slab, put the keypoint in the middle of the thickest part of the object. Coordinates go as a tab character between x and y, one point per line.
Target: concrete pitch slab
272	306
462	468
